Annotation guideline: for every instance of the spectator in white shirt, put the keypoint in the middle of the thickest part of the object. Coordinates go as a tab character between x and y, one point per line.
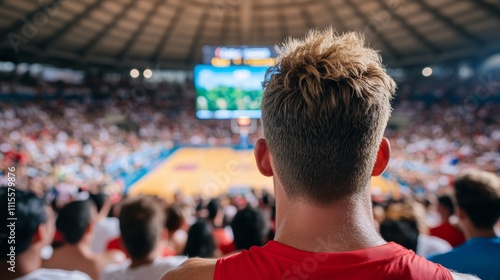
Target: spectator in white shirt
106	228
141	225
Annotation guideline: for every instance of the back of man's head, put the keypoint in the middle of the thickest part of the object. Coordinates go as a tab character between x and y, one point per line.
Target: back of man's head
213	208
177	214
248	227
477	193
29	212
141	223
74	220
324	111
446	202
200	241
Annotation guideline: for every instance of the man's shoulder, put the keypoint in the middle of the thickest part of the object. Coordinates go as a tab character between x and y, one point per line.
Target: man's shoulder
170	262
195	268
55	274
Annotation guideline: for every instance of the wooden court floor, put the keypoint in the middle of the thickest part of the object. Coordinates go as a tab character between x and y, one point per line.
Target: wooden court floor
212	171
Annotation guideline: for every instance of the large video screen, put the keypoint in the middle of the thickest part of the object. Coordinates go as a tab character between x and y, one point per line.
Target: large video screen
228	92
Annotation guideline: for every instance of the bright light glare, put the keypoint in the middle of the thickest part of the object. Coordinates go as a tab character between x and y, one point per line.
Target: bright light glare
427	71
134	73
147	73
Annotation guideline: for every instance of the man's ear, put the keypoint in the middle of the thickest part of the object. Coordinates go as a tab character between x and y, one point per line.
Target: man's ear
89	228
460	213
41	235
383	156
263	157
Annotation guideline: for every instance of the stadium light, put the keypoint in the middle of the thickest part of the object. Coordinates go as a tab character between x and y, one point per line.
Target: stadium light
134	73
147	73
427	71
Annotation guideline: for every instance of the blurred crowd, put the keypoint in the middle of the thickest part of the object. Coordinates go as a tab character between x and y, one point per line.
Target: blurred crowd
63	137
72	145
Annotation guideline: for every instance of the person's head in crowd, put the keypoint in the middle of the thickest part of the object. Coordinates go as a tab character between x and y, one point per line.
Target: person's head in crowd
34	226
215	212
429	201
411	211
75	221
102	203
409	218
248	227
141	225
200	241
33	229
445	208
178	215
477	195
404	232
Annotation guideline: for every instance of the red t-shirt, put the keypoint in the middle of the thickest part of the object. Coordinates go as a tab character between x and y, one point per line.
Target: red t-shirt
279	261
449	233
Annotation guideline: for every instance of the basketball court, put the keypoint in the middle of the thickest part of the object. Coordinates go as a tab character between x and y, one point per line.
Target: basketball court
213	171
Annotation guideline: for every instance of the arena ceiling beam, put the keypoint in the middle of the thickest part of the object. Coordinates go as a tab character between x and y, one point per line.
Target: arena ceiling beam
195	43
16	25
245	21
144	22
179	10
87	47
492	9
337	20
393	53
455	27
46	43
224	29
306	14
411	29
282	23
261	29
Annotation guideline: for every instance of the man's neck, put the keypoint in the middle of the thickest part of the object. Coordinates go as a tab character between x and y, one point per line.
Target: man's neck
142	261
479	233
81	248
345	225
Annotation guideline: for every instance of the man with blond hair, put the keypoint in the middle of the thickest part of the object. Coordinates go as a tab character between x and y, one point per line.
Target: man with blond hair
324	111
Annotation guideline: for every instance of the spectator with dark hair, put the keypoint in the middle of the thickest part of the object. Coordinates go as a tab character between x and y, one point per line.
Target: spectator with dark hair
477	195
177	226
76	222
34	228
325	108
249	228
200	241
142	224
223	240
447	230
106	228
404	232
414	213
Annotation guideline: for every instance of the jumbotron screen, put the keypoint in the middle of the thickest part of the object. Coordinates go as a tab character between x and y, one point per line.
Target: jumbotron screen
228	92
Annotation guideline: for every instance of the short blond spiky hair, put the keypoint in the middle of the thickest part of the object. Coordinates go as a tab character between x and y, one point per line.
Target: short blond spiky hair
324	111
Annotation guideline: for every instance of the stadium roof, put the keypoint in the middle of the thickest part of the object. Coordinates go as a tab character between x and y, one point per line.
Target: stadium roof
171	33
